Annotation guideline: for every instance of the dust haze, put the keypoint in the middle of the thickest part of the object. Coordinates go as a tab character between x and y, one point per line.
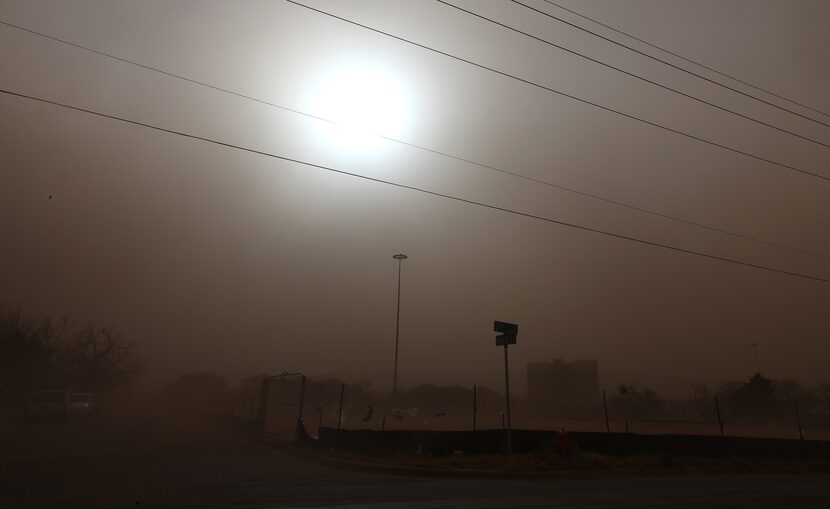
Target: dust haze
220	261
310	253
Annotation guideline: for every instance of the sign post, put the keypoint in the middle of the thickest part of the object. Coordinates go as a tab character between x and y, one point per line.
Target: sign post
508	331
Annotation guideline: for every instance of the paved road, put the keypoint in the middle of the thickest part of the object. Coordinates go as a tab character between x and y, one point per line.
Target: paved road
153	460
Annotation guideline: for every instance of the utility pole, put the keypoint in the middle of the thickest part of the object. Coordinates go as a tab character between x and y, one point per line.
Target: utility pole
400	257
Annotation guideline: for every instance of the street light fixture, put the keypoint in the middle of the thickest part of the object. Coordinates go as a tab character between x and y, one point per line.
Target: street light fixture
400	257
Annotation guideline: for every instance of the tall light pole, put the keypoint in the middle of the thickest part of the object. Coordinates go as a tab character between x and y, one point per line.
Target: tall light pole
400	257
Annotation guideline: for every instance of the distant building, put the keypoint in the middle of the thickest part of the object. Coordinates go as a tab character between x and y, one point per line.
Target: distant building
560	388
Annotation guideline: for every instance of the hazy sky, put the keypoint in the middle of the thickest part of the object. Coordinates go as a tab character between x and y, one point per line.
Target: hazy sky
218	259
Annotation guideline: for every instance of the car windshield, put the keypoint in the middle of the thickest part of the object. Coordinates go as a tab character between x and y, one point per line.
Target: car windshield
48	397
80	398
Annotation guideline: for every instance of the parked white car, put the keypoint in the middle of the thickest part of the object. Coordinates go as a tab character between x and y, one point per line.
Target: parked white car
82	403
48	405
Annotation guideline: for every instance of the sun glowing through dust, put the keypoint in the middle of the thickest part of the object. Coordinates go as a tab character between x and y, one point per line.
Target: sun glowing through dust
361	103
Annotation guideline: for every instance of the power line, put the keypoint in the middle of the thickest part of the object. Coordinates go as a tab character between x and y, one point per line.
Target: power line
635	75
427	149
682	69
411	187
563	94
681	57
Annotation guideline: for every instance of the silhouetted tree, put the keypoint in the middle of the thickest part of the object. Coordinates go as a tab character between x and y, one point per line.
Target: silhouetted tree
760	398
97	358
25	361
39	352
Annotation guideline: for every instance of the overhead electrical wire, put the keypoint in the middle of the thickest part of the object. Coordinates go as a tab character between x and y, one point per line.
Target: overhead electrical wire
674	66
493	70
689	60
634	75
413	188
426	149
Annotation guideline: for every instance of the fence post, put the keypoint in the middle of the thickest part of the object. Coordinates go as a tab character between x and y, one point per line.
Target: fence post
798	422
717	411
339	415
300	425
605	407
475	407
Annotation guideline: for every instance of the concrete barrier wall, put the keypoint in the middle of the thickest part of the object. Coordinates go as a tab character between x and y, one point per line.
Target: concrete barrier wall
443	443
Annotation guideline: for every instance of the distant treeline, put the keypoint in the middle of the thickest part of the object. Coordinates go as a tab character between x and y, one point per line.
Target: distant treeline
764	399
44	353
757	400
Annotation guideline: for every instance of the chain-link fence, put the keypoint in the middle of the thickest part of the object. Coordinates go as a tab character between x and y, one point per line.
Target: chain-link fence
279	404
273	404
448	408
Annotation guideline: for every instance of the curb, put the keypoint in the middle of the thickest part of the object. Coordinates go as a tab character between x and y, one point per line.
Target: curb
321	457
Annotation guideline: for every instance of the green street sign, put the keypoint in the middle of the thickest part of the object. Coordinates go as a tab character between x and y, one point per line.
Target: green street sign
506	328
505	339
